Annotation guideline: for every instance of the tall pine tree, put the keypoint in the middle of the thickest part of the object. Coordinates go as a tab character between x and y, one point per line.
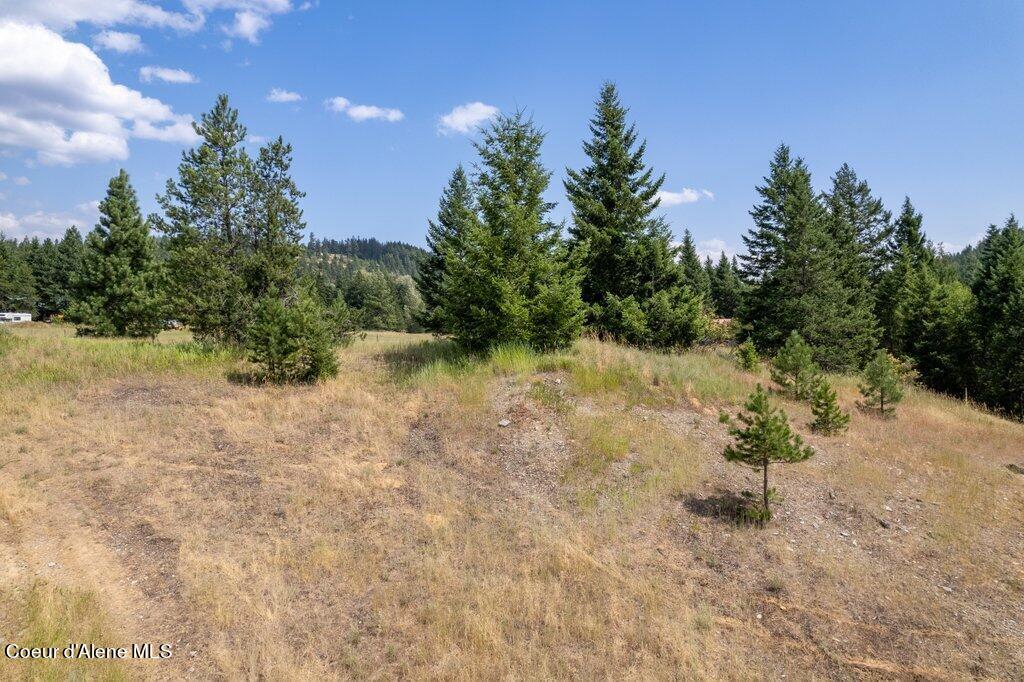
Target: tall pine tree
793	265
999	319
631	283
444	237
118	291
511	283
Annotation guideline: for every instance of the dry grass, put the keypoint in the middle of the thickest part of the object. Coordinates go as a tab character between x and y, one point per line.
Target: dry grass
383	524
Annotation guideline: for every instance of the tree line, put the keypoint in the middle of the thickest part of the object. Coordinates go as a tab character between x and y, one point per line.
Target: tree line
834	267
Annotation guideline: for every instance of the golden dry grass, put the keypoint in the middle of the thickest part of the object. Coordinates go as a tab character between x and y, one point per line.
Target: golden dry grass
383	524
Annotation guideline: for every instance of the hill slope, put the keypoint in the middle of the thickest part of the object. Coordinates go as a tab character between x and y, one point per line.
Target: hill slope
385	524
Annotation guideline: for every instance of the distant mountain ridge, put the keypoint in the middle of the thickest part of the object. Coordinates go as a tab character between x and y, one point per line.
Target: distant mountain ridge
396	258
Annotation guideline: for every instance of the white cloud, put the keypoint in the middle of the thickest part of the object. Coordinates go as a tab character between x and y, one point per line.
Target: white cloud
117	41
363	112
57	98
466	117
66	14
3	176
22	181
685	196
251	17
148	73
337	104
178	130
713	248
279	95
43	224
248	25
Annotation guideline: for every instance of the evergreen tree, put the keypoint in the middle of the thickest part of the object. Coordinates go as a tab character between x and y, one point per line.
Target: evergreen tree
999	319
694	274
794	266
512	283
233	225
622	249
42	259
909	255
17	286
69	256
747	357
765	438
292	341
935	323
444	237
726	288
118	290
881	384
793	368
829	419
862	228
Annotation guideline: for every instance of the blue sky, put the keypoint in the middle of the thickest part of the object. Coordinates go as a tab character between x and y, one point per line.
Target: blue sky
921	98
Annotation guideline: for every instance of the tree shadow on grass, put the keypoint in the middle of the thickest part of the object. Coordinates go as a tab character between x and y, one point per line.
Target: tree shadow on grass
726	506
407	362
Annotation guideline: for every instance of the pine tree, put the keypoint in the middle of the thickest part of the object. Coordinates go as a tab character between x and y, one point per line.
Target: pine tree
292	340
726	288
829	419
793	368
794	267
861	226
999	319
42	258
118	291
909	255
694	274
764	439
444	237
747	357
881	384
935	322
17	286
512	283
69	256
206	210
622	249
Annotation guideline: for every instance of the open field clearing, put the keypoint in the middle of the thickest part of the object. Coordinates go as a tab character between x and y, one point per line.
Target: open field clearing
525	517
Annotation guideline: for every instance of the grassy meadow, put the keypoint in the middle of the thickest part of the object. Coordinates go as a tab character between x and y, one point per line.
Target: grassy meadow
523	516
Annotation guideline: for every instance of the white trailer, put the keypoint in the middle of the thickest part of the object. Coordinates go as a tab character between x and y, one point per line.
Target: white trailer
11	318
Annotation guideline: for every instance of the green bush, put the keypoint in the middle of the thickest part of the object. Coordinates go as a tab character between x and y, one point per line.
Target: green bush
747	357
829	419
293	342
881	385
794	369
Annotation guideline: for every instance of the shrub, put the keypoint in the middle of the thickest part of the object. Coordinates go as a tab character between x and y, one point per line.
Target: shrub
747	357
794	369
292	343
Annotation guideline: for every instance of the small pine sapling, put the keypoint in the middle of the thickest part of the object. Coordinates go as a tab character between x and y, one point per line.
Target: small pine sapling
764	438
829	419
746	356
794	369
881	385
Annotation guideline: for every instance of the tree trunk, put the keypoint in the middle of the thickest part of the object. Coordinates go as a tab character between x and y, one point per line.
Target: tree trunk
764	489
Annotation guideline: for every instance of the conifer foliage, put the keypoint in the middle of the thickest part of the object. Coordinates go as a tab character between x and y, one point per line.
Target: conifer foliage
999	324
233	225
509	281
881	384
118	291
444	240
292	341
797	269
764	438
793	368
633	288
829	418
